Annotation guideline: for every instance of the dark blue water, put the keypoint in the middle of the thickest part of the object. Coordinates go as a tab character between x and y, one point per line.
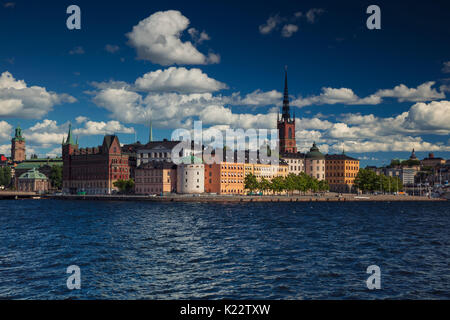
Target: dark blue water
141	250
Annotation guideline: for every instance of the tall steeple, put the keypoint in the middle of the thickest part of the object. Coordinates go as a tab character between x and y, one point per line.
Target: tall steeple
69	136
286	110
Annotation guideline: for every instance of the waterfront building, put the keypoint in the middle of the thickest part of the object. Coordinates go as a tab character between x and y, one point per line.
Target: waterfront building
158	151
156	177
340	172
33	181
295	161
315	163
191	175
18	146
93	170
43	165
286	125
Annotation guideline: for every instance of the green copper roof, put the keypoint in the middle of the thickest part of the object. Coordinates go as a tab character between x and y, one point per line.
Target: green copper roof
314	153
33	174
18	134
69	136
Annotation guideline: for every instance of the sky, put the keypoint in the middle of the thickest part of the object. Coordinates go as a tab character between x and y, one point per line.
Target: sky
376	94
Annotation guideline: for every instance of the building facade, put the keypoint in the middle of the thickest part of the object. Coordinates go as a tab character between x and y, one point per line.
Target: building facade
158	151
340	172
33	181
295	162
315	163
156	177
93	170
18	146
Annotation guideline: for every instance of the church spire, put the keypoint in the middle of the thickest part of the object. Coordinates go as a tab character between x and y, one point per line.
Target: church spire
286	110
69	136
150	135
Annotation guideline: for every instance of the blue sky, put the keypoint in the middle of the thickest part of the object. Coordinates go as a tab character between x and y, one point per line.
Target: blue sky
375	93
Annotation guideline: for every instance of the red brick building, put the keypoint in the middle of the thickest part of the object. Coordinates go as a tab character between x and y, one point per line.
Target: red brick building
93	170
18	146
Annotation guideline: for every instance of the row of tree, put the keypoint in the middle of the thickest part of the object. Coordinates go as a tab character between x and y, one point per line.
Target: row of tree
290	183
124	186
369	181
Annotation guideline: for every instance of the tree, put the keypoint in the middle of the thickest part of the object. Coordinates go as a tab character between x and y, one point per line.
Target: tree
278	184
264	185
5	176
290	182
124	186
250	182
56	176
323	185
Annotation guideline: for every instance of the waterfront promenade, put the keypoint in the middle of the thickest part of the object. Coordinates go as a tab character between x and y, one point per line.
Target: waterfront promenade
329	197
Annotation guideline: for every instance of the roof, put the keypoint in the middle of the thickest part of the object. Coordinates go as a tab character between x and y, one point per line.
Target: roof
339	157
292	155
166	144
191	160
108	140
314	153
33	174
157	165
37	163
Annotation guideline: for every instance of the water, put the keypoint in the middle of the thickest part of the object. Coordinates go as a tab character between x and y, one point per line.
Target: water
138	250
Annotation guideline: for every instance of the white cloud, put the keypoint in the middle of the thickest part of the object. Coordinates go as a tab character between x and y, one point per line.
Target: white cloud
271	23
102	128
157	39
180	80
424	92
434	116
5	130
288	30
334	96
446	67
5	149
260	98
313	13
112	48
19	100
54	153
197	36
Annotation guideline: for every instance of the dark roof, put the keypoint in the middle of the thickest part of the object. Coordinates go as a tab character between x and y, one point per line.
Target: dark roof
131	148
314	153
165	143
289	155
339	157
157	165
108	140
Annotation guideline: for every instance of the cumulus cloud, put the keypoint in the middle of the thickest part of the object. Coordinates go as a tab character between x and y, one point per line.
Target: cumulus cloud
288	30
180	80
334	96
424	92
157	39
260	98
19	100
101	128
434	116
197	36
5	130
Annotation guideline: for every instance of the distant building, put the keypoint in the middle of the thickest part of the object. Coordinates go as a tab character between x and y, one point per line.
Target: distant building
43	165
341	171
156	177
408	174
158	151
93	170
18	146
315	163
191	175
432	161
33	181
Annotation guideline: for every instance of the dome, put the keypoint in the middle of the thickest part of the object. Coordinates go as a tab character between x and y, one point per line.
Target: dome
33	174
314	153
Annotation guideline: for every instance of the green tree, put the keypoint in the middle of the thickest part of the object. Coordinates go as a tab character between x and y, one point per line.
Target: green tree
264	185
124	186
5	176
56	176
290	183
278	184
250	182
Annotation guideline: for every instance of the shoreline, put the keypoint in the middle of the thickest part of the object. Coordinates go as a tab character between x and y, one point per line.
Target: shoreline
244	199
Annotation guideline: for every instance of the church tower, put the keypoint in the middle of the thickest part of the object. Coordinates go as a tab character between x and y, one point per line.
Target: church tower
18	146
286	126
